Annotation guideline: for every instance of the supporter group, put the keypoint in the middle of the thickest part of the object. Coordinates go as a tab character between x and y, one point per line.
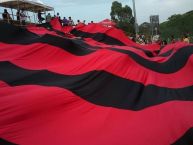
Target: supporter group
68	21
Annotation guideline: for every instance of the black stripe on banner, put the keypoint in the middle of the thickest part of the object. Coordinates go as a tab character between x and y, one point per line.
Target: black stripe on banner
186	139
18	35
104	38
97	87
175	63
49	28
4	142
79	47
166	54
100	37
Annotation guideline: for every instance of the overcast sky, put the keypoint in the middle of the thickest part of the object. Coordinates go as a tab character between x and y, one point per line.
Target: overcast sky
98	10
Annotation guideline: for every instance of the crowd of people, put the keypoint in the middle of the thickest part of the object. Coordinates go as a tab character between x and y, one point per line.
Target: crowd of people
142	39
20	14
42	17
64	21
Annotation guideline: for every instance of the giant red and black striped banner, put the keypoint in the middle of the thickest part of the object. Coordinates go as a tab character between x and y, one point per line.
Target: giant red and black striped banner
61	90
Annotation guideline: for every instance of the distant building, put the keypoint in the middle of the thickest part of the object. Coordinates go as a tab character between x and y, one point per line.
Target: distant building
154	23
145	29
145	25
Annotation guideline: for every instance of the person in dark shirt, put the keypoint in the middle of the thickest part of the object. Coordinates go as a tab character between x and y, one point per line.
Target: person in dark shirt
6	16
18	15
173	39
40	18
65	21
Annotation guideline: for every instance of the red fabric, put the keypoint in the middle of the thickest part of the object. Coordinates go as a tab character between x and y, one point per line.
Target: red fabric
107	22
46	117
117	34
56	24
34	114
40	30
67	29
66	63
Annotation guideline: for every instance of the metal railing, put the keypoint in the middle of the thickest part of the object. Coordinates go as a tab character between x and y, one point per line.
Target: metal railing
14	20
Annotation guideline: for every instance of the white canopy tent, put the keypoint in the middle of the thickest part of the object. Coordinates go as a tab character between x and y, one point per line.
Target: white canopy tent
28	5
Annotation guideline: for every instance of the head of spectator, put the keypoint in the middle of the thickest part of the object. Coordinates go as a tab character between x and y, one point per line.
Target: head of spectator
5	11
186	39
58	15
49	15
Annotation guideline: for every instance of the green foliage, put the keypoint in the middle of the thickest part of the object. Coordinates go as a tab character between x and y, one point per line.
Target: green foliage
177	25
123	17
145	29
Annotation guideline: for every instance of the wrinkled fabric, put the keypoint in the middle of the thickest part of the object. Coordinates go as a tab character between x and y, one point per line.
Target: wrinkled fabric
100	89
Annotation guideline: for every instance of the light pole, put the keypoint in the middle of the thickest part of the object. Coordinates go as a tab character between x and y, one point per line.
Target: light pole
135	16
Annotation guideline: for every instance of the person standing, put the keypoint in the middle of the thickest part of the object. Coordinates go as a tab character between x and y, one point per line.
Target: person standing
70	22
18	15
40	18
48	18
65	22
172	39
186	39
57	15
6	16
23	17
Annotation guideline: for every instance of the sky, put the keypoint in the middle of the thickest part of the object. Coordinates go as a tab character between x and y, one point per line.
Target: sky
98	10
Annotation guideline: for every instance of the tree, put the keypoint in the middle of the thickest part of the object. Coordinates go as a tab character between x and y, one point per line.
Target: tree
123	17
177	25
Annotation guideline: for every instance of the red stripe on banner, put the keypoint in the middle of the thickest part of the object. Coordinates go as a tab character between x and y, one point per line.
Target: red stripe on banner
117	34
41	31
3	84
51	115
42	56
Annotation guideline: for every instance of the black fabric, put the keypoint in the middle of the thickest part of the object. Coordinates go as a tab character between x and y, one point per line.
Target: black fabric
168	53
170	66
78	47
102	37
115	91
4	142
186	139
